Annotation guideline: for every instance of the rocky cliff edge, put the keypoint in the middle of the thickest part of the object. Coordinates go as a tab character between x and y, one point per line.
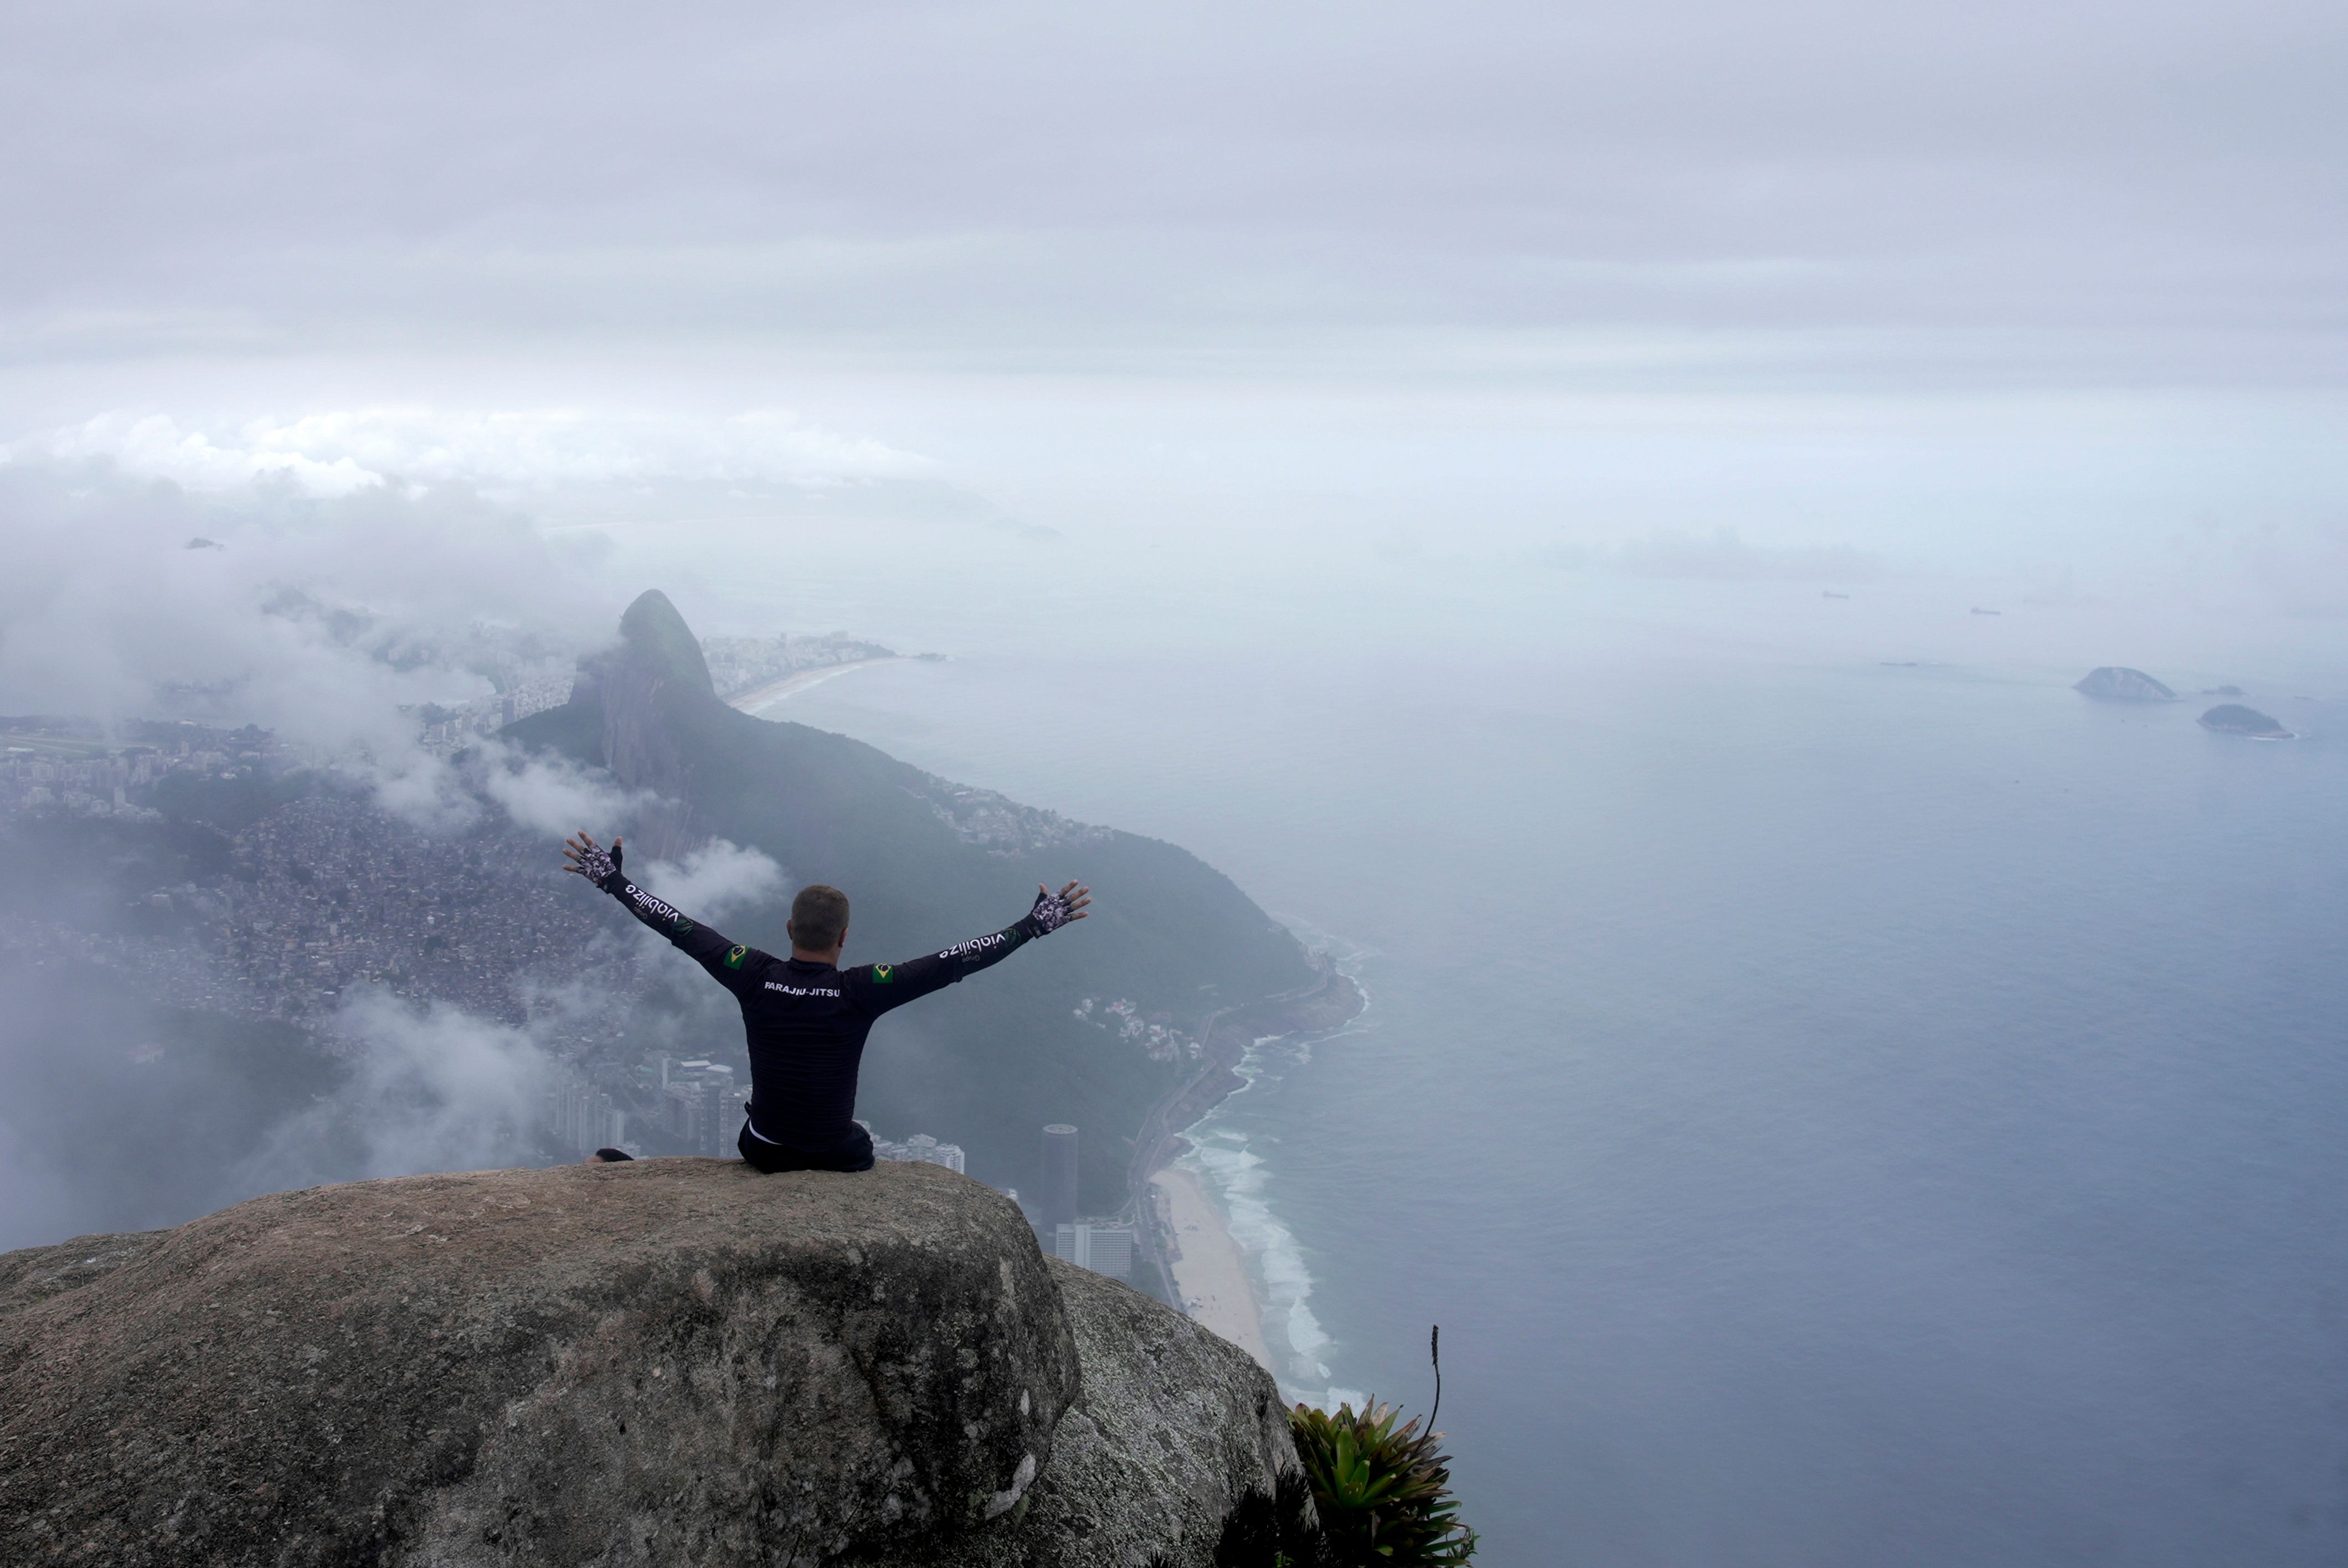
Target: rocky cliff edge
664	1362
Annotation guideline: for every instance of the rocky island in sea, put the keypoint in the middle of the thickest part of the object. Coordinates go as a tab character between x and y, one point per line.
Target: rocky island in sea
2234	719
2118	683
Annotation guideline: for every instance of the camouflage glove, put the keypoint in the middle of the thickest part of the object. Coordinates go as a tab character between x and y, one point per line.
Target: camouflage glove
586	859
1051	912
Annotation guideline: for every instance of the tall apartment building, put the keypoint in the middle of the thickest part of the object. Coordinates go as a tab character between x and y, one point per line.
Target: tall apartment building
1105	1247
582	1117
700	1104
1055	1202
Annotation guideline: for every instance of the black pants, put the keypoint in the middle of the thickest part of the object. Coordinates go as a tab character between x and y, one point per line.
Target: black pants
772	1157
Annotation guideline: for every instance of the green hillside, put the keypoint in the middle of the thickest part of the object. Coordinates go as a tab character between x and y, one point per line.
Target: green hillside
987	1063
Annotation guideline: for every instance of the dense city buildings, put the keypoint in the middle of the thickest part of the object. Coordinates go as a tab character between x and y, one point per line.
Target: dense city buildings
920	1147
1153	1034
739	666
521	690
222	871
83	771
581	1118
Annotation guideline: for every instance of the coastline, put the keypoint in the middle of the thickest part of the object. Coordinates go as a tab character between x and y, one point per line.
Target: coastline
1186	1235
1211	1274
773	691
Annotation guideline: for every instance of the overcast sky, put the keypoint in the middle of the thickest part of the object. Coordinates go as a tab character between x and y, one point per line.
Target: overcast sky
1920	279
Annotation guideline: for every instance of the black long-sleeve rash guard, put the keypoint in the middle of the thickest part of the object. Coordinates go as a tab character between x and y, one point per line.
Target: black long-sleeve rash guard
807	1021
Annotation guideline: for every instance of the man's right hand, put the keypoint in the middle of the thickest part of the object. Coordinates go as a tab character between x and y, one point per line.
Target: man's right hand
583	856
1054	910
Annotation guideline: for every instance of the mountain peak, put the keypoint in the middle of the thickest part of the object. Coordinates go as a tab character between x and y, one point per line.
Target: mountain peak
663	644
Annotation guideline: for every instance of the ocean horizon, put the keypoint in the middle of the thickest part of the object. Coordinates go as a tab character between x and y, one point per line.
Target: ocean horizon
1838	1108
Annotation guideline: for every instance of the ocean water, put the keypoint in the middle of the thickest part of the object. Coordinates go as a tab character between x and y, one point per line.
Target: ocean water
1839	1113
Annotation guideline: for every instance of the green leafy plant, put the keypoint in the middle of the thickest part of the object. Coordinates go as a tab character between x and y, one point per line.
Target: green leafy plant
1382	1490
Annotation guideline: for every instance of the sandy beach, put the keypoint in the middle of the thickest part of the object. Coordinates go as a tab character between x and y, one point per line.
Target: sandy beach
773	691
1209	1270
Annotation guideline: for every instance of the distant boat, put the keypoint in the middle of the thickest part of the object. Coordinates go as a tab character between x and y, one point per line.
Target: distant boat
1832	594
1979	610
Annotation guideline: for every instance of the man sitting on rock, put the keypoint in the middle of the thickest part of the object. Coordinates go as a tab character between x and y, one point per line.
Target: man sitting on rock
807	1016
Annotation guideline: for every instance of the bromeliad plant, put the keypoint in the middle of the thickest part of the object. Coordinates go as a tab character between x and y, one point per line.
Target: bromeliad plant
1383	1491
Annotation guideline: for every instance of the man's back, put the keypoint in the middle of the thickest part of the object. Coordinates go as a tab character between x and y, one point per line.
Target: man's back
806	1019
806	1023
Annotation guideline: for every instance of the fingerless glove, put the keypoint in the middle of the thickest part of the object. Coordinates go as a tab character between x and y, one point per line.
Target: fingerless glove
1050	913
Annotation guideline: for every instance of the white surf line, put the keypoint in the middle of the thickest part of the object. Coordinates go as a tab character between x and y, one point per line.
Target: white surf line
762	697
1235	1179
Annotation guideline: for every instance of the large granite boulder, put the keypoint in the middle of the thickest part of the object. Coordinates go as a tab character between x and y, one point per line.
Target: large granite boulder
669	1362
1173	1427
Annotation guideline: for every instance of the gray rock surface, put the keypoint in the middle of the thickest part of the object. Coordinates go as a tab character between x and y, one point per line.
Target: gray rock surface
2118	683
668	1362
657	657
1173	1427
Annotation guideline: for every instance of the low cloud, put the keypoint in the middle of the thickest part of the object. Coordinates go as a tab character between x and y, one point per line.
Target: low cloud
337	453
554	794
2298	572
1721	556
154	446
433	1088
717	879
315	616
320	619
557	796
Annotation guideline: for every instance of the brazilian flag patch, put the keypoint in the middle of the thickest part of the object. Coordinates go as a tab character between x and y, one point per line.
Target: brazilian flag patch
734	959
884	973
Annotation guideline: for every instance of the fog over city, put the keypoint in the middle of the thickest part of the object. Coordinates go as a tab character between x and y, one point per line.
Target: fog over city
1590	517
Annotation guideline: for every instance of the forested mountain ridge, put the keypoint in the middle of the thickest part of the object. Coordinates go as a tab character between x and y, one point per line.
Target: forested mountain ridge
990	1061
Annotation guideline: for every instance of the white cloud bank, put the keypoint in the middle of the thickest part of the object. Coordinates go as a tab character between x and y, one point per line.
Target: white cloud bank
553	794
436	1089
340	451
717	878
1725	555
319	618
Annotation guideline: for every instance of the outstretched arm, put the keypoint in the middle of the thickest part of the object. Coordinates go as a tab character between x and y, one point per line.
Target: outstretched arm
723	960
879	987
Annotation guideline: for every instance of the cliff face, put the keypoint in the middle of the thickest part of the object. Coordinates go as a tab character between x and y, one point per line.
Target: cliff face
1171	1427
669	1362
641	690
